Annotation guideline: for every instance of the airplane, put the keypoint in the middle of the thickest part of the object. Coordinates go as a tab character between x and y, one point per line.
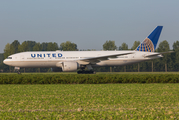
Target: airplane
68	61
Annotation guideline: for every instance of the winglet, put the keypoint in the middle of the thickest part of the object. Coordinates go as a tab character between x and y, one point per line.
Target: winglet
150	43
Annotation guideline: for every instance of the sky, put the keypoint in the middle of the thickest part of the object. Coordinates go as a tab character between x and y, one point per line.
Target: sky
87	23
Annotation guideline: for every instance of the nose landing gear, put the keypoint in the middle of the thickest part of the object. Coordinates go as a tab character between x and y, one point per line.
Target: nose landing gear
17	69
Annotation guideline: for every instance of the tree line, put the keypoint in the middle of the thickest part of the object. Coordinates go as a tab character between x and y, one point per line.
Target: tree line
170	62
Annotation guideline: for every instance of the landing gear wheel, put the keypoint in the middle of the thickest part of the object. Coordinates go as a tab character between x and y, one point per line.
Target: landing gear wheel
18	72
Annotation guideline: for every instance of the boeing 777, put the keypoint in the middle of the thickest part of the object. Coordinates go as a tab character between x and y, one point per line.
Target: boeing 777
73	60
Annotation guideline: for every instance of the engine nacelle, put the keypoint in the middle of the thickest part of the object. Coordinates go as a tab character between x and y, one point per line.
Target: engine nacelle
56	69
70	66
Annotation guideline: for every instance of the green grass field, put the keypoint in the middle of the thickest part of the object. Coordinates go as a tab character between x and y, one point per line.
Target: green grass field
90	101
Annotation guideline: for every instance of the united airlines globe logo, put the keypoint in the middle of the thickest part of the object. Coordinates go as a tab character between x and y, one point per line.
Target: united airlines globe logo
146	45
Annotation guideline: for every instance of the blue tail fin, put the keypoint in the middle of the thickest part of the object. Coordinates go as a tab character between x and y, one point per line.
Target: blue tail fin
150	43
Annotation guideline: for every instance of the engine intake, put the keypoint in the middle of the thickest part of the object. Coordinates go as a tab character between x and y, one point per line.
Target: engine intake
70	66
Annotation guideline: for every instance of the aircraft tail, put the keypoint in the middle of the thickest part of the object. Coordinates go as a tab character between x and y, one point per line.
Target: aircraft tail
150	43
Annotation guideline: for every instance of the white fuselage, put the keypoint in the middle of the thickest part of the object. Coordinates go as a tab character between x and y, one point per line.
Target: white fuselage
52	58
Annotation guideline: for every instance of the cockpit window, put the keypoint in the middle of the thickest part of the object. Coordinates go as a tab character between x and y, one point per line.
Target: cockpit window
9	57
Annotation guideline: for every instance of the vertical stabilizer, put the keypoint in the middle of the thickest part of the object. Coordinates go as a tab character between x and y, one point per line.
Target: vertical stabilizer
150	43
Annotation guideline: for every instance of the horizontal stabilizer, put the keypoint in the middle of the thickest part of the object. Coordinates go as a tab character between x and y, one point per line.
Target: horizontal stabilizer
156	54
166	52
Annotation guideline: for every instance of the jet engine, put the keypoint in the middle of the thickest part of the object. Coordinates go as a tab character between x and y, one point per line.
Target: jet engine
70	66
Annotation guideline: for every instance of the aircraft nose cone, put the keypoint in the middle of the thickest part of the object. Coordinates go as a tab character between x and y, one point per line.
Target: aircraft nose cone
5	62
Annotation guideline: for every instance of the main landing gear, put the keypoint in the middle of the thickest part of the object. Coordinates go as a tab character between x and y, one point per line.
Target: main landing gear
86	72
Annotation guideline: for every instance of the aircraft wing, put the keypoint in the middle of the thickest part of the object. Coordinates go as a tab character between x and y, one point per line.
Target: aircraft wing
94	60
161	53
